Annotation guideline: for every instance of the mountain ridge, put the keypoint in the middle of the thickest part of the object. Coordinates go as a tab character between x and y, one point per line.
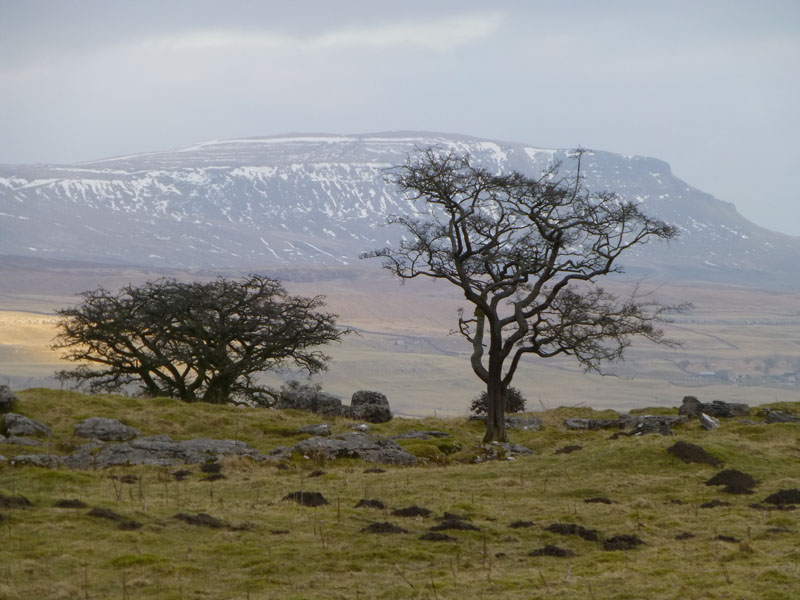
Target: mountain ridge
321	199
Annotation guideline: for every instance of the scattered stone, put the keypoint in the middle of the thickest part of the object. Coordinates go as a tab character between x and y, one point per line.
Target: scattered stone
551	550
727	538
372	407
778	416
384	527
18	425
412	511
714	504
7	399
598	500
374	470
660	424
597	424
318	429
421	435
3	459
521	524
735	482
568	449
107	430
685	536
356	445
363	427
47	461
512	449
21	440
622	542
307	498
73	503
692	407
201	520
316	473
181	474
211	467
435	536
457	524
691	453
524	423
708	423
14	501
784	497
158	450
364	503
591	535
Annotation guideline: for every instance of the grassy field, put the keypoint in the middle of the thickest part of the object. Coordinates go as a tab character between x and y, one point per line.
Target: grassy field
269	547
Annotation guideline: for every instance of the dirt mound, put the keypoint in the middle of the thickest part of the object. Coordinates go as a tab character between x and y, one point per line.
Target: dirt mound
452	516
412	511
211	467
685	536
106	513
384	527
727	538
591	535
375	470
181	474
14	501
307	498
74	503
456	524
599	500
433	536
364	503
784	497
735	482
691	453
201	520
568	449
550	550
622	542
521	524
317	473
214	477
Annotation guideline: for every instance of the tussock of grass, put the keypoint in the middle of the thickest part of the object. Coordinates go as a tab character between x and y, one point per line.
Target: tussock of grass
273	548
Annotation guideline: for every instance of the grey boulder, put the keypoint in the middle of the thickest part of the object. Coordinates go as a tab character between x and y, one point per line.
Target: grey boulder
18	425
779	416
372	407
107	430
318	429
708	422
7	399
692	407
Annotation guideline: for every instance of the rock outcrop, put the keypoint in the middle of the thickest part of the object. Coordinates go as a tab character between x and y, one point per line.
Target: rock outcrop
692	407
356	445
372	407
19	425
107	430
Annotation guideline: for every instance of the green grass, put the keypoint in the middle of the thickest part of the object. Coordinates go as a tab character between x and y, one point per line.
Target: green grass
279	549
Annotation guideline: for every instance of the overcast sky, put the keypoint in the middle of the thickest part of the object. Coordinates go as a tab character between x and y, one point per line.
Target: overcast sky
711	86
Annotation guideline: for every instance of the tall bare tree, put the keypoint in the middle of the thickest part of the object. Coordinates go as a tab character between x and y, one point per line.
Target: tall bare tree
194	341
525	252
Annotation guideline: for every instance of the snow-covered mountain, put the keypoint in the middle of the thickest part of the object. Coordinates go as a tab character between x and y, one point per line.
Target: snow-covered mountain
321	199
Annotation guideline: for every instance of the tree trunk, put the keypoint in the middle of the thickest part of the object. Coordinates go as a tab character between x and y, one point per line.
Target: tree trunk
495	409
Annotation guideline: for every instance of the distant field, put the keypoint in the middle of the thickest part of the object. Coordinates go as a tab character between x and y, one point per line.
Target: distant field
403	349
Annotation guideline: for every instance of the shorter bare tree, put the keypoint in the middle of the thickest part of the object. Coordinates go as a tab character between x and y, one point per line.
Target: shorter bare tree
525	253
194	341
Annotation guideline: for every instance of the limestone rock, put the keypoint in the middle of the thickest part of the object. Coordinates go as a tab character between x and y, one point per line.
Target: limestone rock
310	398
596	424
692	407
708	422
7	399
318	429
108	430
47	461
15	424
372	407
524	423
356	445
778	416
157	450
21	440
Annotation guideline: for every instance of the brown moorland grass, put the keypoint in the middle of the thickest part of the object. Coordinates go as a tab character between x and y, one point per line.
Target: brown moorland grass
267	547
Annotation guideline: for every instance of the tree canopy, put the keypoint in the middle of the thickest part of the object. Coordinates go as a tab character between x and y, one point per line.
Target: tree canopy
525	252
200	341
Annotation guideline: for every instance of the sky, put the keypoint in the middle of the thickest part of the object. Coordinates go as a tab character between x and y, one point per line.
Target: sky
711	86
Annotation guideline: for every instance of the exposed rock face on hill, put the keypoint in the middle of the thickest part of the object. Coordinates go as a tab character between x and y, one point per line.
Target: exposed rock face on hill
320	200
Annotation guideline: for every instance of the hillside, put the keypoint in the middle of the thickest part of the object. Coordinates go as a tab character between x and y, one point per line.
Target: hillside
310	200
585	516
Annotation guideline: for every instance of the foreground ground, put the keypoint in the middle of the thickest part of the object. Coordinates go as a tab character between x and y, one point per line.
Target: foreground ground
256	544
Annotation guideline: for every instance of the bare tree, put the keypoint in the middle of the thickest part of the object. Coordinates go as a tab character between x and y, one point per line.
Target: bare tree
525	253
193	341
